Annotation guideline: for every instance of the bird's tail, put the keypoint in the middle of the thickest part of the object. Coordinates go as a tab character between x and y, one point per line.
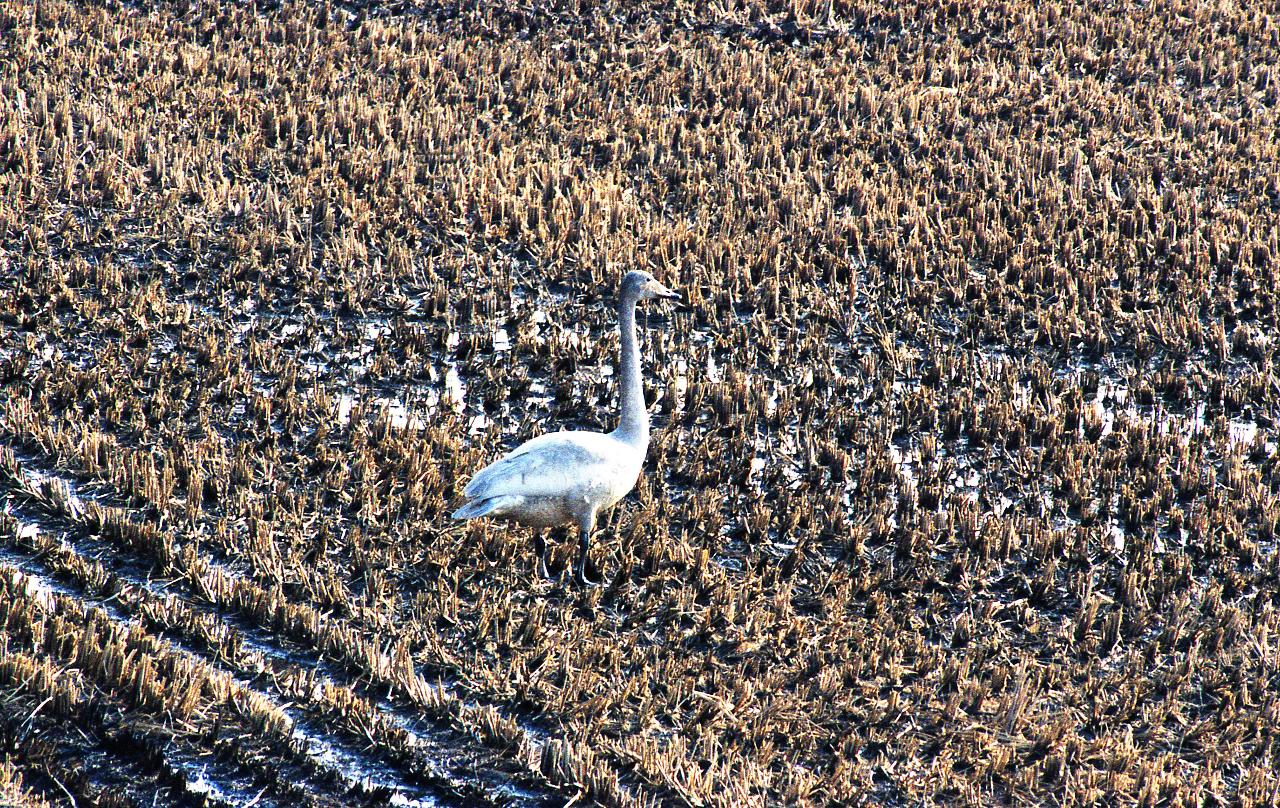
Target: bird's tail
486	507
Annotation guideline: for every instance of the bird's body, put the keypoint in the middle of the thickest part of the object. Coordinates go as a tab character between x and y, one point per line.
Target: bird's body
554	479
569	477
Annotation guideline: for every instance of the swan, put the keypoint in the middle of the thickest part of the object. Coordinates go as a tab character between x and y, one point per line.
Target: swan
569	477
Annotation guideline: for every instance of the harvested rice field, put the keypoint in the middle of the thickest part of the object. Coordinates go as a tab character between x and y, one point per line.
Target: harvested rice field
963	488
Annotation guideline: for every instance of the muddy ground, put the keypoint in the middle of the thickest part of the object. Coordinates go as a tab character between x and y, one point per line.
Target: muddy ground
963	487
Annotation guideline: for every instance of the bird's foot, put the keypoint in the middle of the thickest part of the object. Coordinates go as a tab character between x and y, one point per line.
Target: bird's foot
583	578
541	549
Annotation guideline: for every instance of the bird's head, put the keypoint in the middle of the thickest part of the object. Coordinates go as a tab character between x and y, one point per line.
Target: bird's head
640	285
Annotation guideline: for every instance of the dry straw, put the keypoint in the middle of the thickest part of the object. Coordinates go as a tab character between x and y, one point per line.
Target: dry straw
963	487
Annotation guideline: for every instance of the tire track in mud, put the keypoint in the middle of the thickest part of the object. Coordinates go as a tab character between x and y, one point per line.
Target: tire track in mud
399	758
94	757
94	731
330	759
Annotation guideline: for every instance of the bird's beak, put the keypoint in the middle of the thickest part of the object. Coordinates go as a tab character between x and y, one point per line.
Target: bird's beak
663	291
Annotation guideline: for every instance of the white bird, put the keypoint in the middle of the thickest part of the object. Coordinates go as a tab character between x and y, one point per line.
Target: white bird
570	477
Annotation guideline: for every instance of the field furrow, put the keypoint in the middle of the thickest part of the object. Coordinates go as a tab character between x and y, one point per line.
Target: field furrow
364	747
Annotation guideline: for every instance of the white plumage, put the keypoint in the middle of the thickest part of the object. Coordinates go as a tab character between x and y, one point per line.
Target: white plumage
569	477
544	481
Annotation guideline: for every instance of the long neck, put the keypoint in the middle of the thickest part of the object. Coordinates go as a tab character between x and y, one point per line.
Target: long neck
634	425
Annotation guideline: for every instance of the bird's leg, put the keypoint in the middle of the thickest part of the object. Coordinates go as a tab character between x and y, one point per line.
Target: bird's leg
586	524
540	546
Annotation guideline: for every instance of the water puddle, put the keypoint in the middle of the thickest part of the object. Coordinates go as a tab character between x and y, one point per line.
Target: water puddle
501	341
397	414
1113	400
208	791
906	463
455	393
539	395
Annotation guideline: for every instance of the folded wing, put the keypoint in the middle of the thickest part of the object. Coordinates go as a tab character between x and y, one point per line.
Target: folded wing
549	465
